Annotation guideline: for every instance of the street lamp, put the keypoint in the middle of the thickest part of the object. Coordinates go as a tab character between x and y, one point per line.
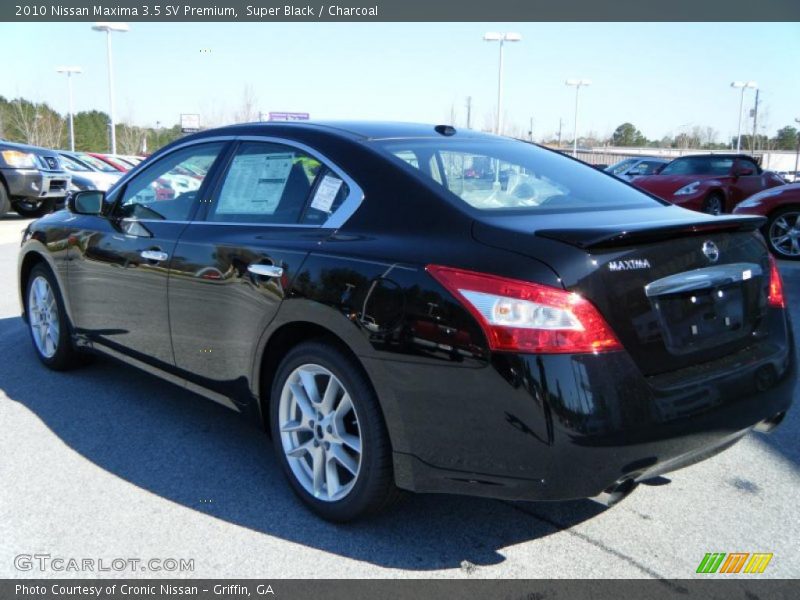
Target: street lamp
743	85
796	156
578	83
493	36
69	71
108	28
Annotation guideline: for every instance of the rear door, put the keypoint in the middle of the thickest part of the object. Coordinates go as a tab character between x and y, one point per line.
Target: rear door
233	265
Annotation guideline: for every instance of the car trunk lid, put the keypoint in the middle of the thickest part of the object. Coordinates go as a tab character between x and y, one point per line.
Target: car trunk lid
677	287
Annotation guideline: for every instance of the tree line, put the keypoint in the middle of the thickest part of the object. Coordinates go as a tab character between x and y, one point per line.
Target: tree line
36	123
698	137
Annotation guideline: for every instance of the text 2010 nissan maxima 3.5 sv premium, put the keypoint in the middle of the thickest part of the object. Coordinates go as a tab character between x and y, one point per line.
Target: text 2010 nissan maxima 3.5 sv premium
411	307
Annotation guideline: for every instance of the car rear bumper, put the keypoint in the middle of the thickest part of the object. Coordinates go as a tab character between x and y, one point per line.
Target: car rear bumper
570	426
34	183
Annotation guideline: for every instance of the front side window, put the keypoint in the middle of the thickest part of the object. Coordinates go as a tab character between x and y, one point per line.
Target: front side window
163	190
512	175
645	167
621	166
699	165
273	183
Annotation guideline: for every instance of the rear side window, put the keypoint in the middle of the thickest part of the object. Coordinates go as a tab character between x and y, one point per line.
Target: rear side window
273	183
511	175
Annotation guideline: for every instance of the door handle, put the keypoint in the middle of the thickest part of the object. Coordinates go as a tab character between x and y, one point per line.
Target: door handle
265	270
155	255
702	279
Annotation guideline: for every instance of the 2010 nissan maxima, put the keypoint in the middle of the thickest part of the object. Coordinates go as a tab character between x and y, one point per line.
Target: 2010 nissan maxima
414	307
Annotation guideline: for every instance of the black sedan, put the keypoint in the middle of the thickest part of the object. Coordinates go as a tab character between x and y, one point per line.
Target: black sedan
410	307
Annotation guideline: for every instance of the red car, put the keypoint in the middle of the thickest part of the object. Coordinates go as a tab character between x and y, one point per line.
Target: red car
710	183
781	206
119	165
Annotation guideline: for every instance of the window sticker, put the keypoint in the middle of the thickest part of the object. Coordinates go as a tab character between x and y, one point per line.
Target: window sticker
255	184
326	193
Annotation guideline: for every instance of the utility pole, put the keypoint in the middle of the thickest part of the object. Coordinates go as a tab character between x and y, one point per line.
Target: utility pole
560	123
469	112
530	131
755	120
797	155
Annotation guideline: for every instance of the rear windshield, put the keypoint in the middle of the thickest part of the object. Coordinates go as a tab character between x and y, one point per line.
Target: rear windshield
508	175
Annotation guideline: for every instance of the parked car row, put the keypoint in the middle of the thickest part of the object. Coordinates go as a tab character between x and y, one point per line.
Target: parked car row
32	179
722	183
35	181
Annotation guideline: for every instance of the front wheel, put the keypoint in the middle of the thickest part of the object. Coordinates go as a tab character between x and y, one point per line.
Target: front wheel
329	434
783	233
33	209
47	321
5	204
714	204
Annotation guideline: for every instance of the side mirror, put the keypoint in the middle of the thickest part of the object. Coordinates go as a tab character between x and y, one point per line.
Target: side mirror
89	202
743	172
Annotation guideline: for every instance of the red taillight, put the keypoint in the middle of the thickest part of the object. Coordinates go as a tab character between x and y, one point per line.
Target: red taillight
776	298
528	317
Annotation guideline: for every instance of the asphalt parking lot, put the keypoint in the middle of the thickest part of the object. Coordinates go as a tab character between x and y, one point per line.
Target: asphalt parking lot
108	462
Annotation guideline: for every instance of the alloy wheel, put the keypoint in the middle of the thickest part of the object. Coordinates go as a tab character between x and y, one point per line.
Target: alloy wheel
43	317
714	205
320	432
784	234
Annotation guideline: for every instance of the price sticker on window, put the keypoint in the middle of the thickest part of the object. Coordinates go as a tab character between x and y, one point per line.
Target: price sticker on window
326	193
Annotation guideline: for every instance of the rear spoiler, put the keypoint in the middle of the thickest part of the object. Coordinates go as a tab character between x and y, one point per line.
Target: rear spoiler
624	235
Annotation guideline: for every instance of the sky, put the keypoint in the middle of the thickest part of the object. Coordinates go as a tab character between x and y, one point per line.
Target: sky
662	77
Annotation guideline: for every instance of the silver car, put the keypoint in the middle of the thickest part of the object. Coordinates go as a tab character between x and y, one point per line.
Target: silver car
636	166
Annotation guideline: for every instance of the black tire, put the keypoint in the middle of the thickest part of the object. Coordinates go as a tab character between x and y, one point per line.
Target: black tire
373	489
33	209
714	204
65	356
773	231
5	203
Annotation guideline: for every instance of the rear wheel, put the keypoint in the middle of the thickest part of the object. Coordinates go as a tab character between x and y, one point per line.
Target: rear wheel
47	321
783	233
714	204
33	208
329	434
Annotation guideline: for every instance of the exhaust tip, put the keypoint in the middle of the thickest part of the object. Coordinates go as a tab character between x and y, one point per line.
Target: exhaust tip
616	493
768	425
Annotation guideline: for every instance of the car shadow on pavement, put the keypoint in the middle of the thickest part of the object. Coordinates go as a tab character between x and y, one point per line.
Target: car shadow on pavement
189	450
783	440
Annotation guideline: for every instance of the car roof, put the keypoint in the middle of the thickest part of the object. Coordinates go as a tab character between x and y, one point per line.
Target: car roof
717	155
351	129
26	147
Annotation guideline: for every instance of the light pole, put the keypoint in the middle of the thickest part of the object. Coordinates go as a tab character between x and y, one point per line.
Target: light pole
108	28
578	83
743	85
493	36
796	156
69	71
